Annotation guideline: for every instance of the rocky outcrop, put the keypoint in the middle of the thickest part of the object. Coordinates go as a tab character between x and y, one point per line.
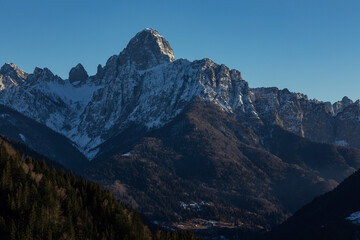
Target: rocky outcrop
319	121
99	72
11	75
78	75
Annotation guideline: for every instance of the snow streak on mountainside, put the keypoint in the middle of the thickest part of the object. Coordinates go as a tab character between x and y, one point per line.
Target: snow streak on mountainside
144	85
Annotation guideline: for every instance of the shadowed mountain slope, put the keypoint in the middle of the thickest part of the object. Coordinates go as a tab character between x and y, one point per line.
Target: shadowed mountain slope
41	139
206	156
326	216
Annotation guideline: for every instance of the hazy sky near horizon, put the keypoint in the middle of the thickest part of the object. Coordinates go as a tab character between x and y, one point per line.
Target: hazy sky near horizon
308	46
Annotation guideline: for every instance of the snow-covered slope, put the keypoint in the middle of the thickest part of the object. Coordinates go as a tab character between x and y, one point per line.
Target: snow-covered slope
49	100
145	85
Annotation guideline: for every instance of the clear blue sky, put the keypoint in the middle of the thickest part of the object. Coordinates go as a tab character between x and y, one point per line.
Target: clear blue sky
308	46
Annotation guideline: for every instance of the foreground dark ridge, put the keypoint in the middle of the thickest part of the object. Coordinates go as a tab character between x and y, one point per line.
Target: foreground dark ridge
327	216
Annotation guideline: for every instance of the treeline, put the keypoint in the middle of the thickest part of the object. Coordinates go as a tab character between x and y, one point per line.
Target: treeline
41	203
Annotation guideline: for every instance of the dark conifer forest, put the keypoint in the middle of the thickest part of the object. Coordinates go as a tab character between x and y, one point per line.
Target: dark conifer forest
38	202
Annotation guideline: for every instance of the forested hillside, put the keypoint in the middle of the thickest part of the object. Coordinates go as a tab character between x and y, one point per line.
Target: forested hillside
42	203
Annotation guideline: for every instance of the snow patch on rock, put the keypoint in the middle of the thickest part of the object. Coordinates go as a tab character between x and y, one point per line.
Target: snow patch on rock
341	143
354	218
23	138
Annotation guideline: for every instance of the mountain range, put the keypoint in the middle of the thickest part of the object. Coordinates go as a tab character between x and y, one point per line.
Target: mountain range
188	144
145	85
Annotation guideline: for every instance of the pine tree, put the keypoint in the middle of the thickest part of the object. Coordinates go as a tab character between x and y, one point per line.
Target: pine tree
13	230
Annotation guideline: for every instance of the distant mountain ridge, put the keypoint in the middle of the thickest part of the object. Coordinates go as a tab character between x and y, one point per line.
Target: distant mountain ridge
145	85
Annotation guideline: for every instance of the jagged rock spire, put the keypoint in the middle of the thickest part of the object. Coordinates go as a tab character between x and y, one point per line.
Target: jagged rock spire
10	69
78	74
11	75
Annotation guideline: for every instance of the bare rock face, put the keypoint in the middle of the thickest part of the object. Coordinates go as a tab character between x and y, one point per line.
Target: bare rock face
336	123
340	105
43	75
146	50
13	71
11	75
100	71
347	125
78	74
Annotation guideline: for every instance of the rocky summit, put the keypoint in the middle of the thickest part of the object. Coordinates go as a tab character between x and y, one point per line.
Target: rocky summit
146	50
11	75
78	74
